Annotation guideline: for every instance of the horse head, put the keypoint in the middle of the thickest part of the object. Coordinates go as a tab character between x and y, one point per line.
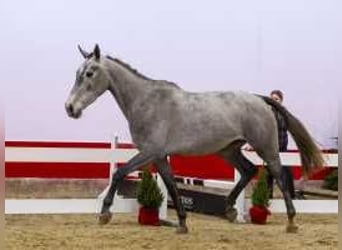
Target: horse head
91	82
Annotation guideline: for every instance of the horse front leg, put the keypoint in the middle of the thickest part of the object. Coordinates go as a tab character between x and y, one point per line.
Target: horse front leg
165	172
132	165
246	176
246	169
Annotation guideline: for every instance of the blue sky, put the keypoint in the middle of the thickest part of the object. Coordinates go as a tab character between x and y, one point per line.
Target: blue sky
254	46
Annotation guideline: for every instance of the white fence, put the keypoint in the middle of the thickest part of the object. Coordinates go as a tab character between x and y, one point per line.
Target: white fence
62	206
27	206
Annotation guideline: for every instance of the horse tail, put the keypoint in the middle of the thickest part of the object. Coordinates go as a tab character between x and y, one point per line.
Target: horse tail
310	155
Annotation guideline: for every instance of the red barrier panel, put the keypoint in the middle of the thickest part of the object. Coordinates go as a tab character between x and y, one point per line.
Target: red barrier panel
49	144
62	170
204	167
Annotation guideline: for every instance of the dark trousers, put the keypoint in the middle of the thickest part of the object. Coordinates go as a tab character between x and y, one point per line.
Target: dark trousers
288	181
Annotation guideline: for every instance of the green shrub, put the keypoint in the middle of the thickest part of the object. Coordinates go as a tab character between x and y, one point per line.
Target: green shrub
260	195
331	181
149	194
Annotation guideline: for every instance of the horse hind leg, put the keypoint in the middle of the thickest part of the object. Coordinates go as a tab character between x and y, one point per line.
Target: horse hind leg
247	170
274	167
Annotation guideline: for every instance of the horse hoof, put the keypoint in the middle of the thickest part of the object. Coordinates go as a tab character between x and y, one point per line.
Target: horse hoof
292	228
231	214
168	223
105	218
182	230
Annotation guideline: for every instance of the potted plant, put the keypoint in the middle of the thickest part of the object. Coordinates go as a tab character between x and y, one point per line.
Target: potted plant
150	198
260	200
331	181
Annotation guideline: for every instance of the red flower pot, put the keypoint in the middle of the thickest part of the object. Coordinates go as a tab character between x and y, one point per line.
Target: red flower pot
259	214
148	216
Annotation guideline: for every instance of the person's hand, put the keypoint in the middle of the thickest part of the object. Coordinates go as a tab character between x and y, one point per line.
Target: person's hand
247	147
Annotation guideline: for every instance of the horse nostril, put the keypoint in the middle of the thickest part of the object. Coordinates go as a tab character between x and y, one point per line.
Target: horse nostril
69	108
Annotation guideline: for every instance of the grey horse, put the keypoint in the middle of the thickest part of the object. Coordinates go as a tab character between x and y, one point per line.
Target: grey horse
164	120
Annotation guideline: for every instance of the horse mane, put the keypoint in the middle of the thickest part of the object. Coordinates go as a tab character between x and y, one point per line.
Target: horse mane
129	68
137	73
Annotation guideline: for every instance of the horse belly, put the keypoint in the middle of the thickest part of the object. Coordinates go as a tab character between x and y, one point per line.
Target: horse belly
202	142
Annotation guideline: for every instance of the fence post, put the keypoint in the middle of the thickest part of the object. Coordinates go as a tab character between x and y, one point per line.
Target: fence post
240	201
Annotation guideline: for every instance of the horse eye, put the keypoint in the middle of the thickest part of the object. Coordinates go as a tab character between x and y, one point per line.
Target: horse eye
89	74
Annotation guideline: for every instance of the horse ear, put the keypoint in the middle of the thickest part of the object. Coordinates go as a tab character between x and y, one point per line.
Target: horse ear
97	52
83	52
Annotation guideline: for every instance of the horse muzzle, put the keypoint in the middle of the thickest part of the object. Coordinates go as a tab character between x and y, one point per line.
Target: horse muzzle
72	112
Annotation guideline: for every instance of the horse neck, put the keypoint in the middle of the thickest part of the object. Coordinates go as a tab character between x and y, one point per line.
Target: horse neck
126	87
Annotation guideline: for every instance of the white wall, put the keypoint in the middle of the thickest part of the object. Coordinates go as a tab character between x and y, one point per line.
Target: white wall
210	45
